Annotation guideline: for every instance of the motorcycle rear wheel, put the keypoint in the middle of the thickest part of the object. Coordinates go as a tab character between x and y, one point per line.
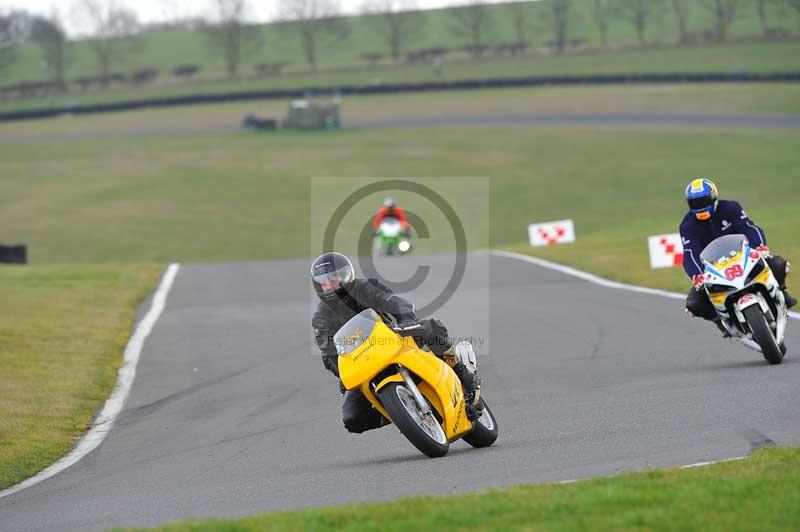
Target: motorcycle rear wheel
423	431
762	334
485	429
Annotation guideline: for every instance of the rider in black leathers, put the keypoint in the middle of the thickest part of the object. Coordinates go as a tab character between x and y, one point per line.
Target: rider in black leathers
342	296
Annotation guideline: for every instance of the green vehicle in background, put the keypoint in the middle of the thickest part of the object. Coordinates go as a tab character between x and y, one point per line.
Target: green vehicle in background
391	238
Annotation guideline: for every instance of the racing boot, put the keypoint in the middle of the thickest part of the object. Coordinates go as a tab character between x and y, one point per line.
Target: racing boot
470	382
472	390
790	300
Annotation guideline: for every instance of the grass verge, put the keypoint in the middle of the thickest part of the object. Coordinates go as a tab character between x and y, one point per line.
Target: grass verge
62	332
621	253
759	493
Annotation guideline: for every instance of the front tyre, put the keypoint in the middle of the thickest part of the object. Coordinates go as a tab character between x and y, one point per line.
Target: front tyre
423	431
485	430
762	334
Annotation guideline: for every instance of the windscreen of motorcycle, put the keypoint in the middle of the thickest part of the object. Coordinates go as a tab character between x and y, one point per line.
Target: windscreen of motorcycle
390	227
353	333
723	248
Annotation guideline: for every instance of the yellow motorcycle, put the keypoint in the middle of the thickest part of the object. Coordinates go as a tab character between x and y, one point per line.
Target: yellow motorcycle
409	386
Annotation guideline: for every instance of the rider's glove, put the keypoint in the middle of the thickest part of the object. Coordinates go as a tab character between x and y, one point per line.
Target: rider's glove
408	326
697	281
406	320
764	251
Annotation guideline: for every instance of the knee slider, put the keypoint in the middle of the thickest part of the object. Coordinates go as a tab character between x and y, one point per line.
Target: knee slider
354	425
465	354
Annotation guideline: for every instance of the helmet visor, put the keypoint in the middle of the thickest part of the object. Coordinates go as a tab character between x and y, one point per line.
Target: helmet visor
697	204
332	281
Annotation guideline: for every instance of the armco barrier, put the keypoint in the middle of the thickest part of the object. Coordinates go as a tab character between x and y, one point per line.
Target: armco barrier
394	88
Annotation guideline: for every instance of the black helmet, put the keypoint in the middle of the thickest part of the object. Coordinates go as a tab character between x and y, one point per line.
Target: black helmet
332	274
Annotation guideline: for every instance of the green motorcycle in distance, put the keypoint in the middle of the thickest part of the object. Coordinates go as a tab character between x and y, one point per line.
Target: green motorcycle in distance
391	238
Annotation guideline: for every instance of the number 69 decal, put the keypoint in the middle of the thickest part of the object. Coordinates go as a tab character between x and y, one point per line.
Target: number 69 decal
733	272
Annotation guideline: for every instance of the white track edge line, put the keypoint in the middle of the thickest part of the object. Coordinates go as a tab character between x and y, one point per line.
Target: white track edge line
592	278
688	466
704	464
105	420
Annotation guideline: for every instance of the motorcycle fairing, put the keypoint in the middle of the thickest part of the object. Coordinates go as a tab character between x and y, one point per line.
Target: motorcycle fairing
382	349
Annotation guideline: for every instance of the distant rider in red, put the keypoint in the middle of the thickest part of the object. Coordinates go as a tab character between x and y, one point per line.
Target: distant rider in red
391	209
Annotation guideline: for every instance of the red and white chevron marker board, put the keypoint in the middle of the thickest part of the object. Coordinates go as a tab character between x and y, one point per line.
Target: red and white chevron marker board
547	233
666	251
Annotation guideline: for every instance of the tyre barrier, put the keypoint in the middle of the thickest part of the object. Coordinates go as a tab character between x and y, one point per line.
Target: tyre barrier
260	124
14	254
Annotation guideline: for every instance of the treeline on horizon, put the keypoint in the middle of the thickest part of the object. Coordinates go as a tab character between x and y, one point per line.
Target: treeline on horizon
120	50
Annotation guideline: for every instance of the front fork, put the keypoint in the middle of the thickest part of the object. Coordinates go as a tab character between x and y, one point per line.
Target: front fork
422	403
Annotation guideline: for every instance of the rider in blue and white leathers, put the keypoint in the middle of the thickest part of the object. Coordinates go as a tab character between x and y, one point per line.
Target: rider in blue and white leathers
708	218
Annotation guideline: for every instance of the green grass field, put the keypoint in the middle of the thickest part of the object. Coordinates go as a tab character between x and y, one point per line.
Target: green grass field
245	196
62	332
747	57
759	493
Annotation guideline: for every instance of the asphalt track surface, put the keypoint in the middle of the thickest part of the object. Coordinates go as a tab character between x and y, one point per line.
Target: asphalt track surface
232	413
787	122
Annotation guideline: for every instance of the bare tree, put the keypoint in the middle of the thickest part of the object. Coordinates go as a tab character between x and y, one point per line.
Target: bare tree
9	37
602	10
396	21
794	4
761	9
230	35
56	49
724	12
557	15
472	21
114	30
314	20
521	21
681	10
639	13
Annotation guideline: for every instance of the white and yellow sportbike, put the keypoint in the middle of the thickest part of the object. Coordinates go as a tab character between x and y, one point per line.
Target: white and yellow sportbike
410	386
746	296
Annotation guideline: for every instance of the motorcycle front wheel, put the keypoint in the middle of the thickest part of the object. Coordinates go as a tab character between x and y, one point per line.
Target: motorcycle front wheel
423	430
762	334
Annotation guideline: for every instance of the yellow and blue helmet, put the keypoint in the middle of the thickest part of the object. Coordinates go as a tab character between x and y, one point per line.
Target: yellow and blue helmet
702	197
